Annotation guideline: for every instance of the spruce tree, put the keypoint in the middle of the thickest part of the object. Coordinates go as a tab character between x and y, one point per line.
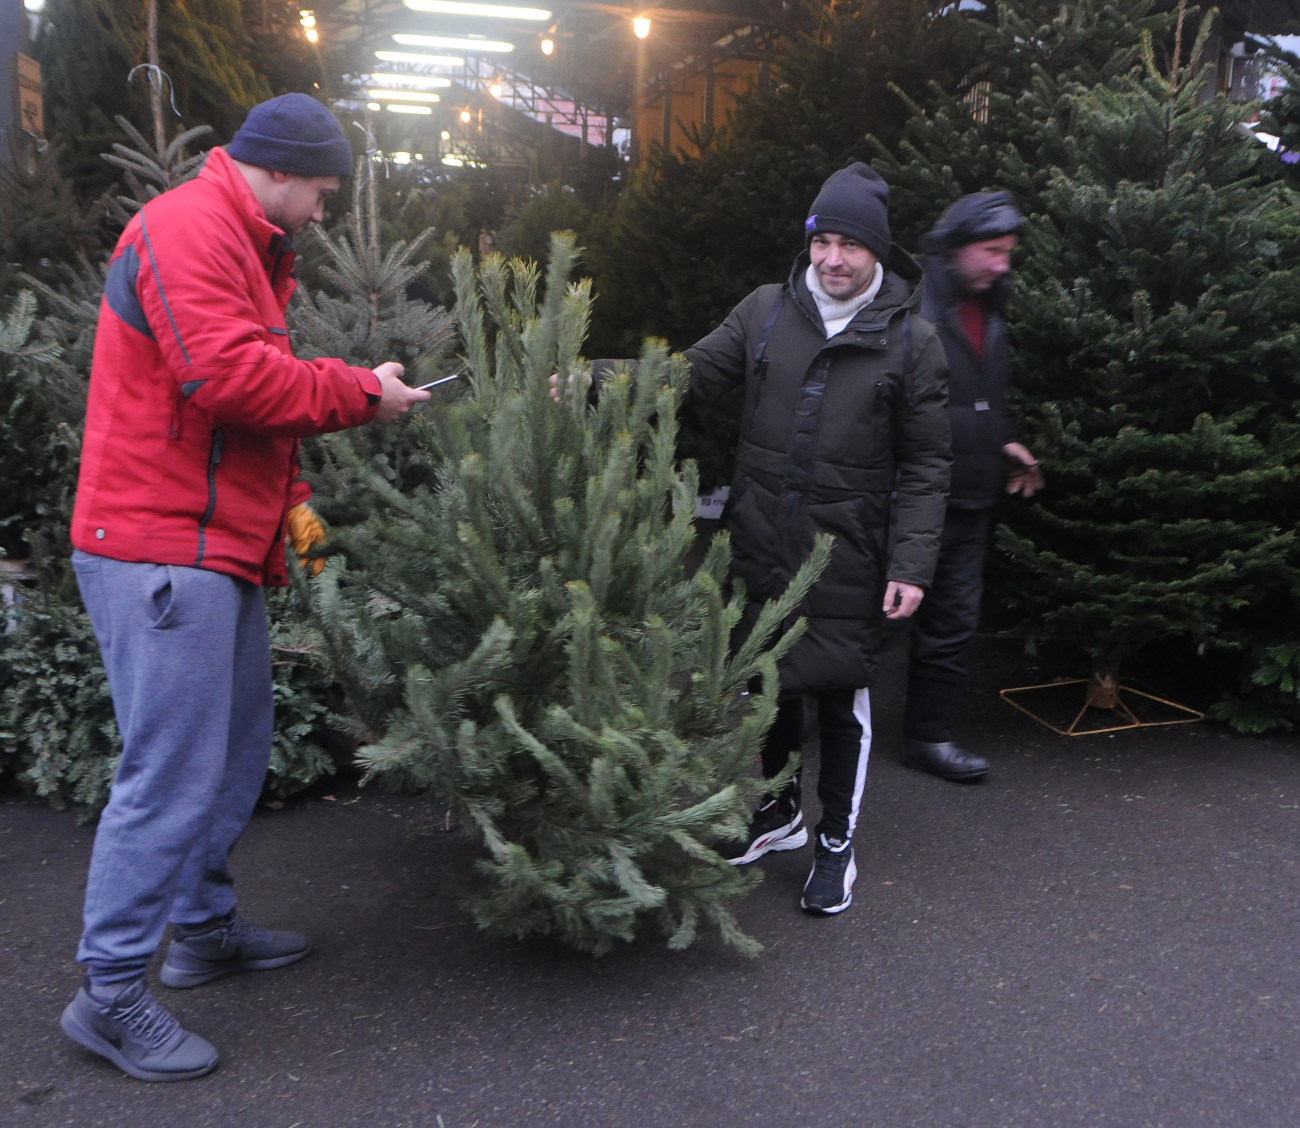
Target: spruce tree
357	304
520	635
57	736
549	207
37	400
280	52
89	51
1155	329
42	224
1004	122
149	171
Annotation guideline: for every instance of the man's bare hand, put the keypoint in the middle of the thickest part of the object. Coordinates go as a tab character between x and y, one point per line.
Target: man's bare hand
395	398
568	384
1024	475
901	599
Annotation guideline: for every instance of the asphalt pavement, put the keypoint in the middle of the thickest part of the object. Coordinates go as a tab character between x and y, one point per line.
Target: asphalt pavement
1103	932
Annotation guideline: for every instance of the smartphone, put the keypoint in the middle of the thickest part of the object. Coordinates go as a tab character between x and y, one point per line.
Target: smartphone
435	383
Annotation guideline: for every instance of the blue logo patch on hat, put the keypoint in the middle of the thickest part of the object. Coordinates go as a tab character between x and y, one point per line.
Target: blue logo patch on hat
810	223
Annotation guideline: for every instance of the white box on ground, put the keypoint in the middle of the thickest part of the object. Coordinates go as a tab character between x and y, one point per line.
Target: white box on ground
710	505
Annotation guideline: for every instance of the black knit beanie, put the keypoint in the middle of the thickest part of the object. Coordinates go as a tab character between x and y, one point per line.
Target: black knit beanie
853	202
293	133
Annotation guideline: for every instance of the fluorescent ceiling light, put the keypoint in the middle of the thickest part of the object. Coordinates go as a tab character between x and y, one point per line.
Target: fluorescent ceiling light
423	60
415	80
450	41
405	95
399	109
488	11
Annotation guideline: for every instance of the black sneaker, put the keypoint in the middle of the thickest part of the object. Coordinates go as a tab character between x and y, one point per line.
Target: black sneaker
829	888
234	945
138	1035
776	825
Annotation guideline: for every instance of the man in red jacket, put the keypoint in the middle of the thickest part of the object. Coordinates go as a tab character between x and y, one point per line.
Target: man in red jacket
188	485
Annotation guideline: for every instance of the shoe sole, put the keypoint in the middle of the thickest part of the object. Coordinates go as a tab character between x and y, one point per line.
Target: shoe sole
97	1044
766	845
817	910
179	978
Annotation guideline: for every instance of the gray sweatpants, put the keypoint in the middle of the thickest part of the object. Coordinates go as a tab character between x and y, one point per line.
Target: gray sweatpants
188	662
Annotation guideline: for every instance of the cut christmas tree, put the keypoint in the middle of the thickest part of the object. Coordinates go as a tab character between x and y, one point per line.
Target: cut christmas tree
522	636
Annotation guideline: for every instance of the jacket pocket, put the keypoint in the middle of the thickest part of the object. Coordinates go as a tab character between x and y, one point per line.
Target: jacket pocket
163	598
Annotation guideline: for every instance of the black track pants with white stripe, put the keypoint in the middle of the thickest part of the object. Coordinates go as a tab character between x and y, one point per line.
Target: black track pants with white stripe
844	736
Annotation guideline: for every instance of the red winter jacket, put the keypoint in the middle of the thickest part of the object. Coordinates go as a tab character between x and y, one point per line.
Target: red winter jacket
196	402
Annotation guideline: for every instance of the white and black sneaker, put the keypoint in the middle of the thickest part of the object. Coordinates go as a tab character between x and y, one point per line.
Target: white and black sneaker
829	888
776	825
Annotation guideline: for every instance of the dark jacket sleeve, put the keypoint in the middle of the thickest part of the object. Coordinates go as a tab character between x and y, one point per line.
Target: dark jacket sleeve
721	359
923	456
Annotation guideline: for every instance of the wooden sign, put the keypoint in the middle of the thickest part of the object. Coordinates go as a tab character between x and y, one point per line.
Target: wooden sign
28	74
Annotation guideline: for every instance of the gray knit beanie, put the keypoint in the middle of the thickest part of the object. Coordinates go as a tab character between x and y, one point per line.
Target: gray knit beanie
293	133
853	202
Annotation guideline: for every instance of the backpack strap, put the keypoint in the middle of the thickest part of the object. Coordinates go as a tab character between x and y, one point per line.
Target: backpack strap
909	360
760	354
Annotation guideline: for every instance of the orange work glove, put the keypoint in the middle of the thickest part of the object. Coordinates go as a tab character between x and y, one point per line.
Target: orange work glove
306	532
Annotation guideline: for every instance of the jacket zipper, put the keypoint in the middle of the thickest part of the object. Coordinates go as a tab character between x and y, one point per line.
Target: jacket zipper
214	460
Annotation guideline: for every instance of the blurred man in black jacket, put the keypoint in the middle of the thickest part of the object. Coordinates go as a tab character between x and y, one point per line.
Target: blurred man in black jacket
967	280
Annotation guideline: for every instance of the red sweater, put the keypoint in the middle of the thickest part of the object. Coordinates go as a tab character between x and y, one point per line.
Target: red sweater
196	402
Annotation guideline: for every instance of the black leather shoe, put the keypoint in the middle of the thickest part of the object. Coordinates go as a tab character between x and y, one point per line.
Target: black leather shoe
944	759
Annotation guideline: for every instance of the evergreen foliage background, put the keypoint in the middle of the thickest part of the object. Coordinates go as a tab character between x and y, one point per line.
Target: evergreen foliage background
362	308
1155	317
718	225
43	226
88	48
1155	327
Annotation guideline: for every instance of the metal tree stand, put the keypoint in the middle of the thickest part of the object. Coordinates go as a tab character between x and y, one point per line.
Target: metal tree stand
1108	695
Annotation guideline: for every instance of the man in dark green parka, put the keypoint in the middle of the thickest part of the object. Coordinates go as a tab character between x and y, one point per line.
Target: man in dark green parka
845	394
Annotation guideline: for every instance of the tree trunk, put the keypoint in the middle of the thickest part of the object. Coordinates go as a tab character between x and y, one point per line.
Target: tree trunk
155	80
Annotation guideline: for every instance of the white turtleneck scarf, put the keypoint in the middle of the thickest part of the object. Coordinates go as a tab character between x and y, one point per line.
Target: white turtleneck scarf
837	314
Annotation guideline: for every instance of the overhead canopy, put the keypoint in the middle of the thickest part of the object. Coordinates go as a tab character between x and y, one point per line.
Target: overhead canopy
594	63
595	54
